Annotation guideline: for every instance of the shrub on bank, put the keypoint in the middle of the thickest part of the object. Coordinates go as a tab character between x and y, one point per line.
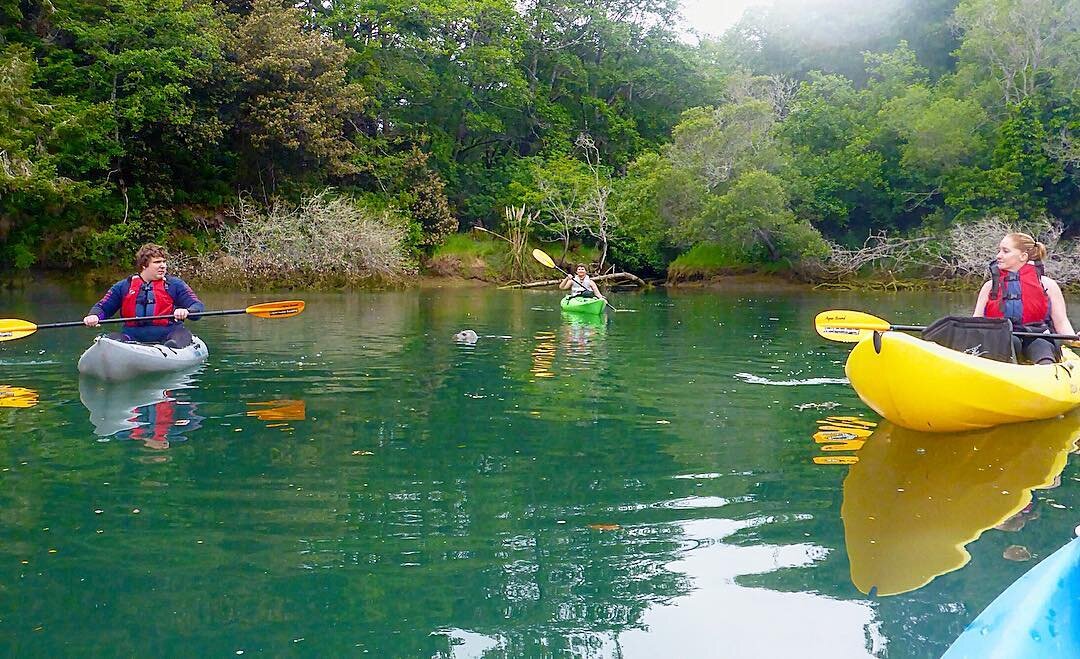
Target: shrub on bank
706	260
326	240
479	255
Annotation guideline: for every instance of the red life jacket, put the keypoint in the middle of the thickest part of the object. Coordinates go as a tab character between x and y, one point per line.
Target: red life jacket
155	302
1018	294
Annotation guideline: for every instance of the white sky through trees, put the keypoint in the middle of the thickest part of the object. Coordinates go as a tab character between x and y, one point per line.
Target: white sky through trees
715	16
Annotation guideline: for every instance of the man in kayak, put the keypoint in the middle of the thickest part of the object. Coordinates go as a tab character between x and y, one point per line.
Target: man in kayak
150	293
1019	291
581	285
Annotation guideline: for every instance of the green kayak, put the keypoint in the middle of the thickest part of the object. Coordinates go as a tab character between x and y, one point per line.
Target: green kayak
582	304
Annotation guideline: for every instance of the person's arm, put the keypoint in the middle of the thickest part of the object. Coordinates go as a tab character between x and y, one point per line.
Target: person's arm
980	304
1058	312
565	283
595	289
184	300
107	305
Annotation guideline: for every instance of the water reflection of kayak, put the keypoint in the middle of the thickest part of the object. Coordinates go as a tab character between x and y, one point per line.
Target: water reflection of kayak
117	406
113	360
585	320
914	500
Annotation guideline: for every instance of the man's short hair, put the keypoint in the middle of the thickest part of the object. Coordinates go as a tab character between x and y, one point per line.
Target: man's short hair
147	252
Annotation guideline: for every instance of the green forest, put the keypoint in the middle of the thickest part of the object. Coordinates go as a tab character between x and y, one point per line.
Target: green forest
382	133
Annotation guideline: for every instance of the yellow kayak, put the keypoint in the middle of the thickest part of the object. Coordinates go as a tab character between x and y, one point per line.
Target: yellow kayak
913	501
923	386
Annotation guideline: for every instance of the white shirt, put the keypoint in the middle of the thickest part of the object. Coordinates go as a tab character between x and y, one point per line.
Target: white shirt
580	286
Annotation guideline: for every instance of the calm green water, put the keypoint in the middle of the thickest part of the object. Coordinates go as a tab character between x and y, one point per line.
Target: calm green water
354	481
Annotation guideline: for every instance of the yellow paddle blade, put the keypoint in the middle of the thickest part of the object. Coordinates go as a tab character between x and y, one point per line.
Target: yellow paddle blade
848	326
13	328
17	396
276	309
542	257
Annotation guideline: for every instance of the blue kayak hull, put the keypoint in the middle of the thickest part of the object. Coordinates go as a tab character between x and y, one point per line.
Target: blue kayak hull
1038	616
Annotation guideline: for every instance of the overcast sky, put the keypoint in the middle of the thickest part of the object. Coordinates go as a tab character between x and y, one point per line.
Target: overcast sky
715	16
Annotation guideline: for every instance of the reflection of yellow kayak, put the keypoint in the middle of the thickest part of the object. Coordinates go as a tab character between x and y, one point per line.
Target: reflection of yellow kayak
923	386
914	500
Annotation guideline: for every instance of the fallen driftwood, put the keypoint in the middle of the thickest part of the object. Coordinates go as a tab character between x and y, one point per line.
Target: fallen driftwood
616	277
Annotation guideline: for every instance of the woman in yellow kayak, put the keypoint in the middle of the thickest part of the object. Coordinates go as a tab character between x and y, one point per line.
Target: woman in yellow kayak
1018	290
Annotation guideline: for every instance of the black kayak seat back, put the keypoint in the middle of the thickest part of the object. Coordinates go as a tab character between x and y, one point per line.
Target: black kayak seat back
983	337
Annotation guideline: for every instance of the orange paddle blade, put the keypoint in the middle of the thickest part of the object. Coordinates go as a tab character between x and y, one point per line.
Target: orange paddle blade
276	309
13	328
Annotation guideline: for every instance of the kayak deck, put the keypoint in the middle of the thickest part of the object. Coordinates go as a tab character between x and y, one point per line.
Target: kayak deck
109	359
582	304
920	385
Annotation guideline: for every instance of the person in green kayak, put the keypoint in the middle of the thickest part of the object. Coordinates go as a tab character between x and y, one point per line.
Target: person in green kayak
150	293
1018	290
581	285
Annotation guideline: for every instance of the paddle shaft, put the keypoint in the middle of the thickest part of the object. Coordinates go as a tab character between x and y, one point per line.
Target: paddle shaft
77	323
1063	337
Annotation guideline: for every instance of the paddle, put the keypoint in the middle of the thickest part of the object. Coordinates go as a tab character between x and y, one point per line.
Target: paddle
13	328
541	256
854	326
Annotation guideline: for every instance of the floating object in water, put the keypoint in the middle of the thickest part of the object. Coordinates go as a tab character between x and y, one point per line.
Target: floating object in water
466	336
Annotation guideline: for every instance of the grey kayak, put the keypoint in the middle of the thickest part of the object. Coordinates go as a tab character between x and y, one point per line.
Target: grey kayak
114	360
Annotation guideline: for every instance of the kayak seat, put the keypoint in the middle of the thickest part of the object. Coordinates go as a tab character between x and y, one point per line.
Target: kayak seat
983	337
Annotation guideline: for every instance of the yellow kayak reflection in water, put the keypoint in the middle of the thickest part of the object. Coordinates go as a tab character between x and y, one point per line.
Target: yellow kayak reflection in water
19	397
914	500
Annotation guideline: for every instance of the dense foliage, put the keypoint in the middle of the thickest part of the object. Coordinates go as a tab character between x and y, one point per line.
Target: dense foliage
130	120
